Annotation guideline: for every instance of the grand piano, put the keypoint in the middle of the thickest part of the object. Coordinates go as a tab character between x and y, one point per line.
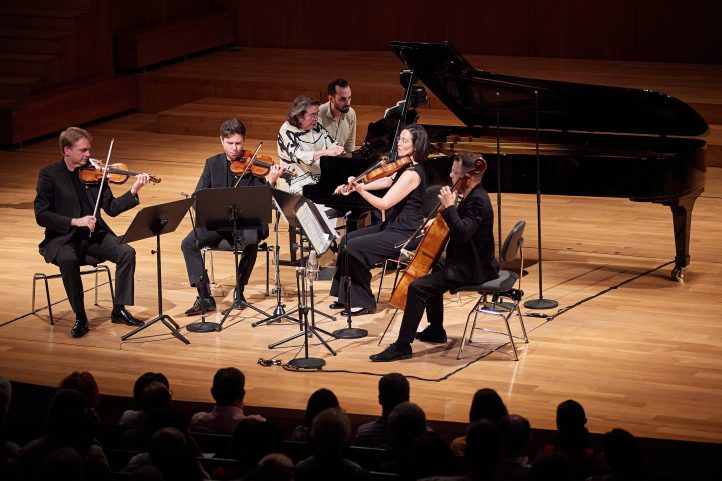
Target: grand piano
592	140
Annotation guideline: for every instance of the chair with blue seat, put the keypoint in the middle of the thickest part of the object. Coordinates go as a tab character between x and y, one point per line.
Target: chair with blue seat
89	261
500	296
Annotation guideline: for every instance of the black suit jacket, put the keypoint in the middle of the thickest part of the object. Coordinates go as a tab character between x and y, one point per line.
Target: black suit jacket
470	252
217	174
56	203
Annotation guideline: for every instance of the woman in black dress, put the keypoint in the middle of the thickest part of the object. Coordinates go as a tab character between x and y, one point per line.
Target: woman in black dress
403	204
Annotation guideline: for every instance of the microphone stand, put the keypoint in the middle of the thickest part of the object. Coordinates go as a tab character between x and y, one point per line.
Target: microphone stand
201	326
348	332
539	303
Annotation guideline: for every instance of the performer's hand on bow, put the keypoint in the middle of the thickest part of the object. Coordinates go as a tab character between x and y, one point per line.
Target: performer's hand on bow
447	197
354	186
427	225
86	221
140	181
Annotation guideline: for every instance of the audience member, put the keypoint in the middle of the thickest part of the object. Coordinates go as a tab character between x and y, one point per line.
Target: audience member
623	457
318	401
252	440
68	424
174	458
9	469
330	434
406	422
85	384
573	440
158	412
228	391
486	404
63	464
551	466
430	456
516	432
274	467
393	390
134	418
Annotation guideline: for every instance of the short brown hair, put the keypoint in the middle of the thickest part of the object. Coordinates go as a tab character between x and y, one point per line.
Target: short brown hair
71	135
468	159
231	127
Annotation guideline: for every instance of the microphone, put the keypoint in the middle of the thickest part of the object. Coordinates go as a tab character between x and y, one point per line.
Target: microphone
346	215
312	266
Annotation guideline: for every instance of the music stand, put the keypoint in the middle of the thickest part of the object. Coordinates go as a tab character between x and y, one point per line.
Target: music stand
301	213
154	221
233	209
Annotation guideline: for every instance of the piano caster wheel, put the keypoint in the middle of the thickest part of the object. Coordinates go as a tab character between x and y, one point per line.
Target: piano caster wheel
679	274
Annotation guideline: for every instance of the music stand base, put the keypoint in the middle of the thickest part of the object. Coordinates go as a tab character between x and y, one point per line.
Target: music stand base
203	327
164	319
307	363
350	333
541	304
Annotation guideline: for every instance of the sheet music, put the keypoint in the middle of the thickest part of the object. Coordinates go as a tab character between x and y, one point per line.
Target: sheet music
314	231
330	221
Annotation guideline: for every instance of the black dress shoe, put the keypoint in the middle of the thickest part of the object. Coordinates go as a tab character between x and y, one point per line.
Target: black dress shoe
394	352
360	312
80	328
242	299
195	310
337	305
434	336
122	316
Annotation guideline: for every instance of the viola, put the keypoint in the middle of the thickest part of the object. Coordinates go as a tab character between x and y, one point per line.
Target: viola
384	170
260	165
117	173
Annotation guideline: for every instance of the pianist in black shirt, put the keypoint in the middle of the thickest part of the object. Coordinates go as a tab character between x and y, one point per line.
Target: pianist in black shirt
403	204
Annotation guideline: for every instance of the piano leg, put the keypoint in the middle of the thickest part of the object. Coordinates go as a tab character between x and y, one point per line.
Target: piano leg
682	219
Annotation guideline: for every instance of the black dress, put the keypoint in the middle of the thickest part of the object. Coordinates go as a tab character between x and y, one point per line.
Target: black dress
371	245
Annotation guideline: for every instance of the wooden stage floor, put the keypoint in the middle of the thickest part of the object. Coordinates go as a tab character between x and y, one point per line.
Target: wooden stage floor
638	350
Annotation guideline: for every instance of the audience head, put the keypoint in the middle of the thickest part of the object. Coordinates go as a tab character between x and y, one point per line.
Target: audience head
274	467
483	449
62	464
144	380
571	421
623	455
406	422
68	422
6	392
393	389
154	396
420	142
170	453
228	386
318	401
516	432
553	466
85	384
330	433
487	404
253	439
301	106
430	456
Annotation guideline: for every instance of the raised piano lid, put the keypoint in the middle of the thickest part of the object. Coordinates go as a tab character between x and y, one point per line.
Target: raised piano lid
471	94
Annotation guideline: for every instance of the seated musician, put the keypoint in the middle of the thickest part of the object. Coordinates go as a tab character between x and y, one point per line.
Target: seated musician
65	206
469	260
337	116
403	204
302	141
217	173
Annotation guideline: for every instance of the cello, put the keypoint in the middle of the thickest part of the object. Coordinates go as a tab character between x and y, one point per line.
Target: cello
432	243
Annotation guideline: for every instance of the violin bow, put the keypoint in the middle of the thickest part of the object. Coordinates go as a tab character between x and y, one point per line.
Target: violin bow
102	180
250	164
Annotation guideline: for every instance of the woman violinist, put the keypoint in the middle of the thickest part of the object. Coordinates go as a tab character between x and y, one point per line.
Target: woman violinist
223	170
403	204
469	258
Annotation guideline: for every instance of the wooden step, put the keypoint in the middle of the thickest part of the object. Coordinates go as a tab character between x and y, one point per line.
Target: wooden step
31	18
18	86
36	41
48	67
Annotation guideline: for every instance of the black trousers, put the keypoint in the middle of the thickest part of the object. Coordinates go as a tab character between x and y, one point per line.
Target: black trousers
104	247
366	247
425	293
209	238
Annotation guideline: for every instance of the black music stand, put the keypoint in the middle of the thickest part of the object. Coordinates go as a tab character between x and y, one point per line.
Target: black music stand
301	213
154	221
233	209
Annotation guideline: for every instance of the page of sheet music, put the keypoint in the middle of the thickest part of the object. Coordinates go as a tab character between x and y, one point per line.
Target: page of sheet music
313	230
330	221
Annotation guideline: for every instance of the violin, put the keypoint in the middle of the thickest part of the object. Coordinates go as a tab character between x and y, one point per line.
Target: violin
383	168
260	165
116	173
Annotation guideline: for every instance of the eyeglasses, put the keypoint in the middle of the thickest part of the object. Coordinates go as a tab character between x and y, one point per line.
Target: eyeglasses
311	114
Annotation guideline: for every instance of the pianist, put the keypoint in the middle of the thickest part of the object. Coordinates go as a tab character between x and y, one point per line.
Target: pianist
302	141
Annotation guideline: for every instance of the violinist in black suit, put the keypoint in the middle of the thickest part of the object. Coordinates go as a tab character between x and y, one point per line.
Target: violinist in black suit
469	259
217	173
64	206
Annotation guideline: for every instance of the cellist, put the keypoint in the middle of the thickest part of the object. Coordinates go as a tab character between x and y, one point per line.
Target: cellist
469	259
